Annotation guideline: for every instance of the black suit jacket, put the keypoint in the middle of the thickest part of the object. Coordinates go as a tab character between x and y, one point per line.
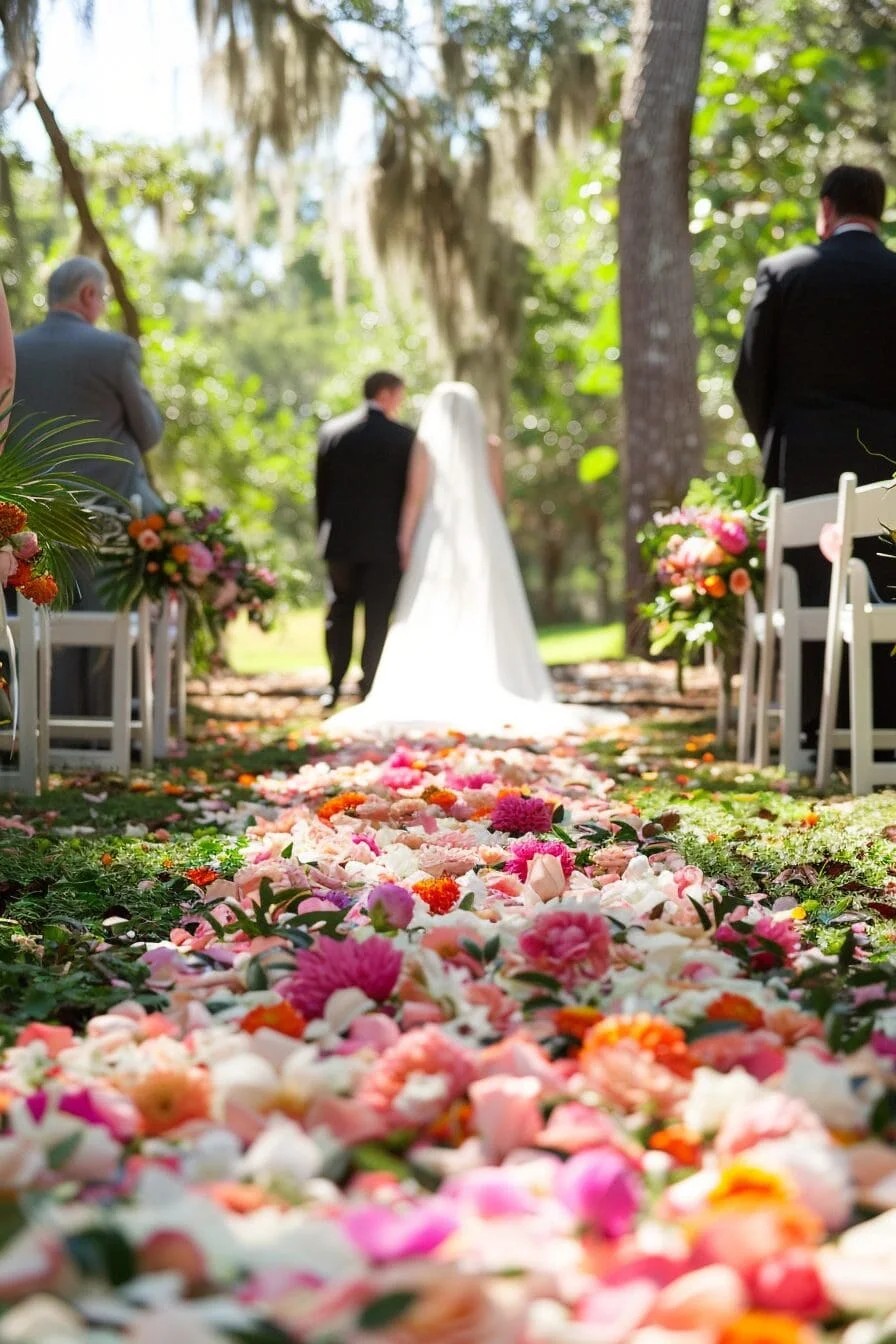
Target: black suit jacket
362	465
816	370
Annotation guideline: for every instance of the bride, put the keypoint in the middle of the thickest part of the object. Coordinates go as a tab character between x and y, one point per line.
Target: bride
461	652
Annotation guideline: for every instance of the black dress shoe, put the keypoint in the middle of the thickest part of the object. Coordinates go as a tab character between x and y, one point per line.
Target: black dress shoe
329	697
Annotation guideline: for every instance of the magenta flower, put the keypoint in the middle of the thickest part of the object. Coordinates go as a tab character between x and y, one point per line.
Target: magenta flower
729	533
372	966
568	944
384	1234
523	851
515	815
390	906
764	936
599	1188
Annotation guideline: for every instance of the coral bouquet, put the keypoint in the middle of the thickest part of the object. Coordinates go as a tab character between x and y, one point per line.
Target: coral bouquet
23	564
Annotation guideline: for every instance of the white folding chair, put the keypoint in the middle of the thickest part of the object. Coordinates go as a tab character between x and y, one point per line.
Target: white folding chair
22	736
170	674
126	634
857	616
776	633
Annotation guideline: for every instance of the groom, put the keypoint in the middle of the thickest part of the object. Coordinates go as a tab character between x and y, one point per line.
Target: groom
362	464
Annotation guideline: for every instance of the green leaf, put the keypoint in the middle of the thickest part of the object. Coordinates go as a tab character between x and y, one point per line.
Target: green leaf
374	1157
385	1310
536	978
597	463
103	1253
59	1153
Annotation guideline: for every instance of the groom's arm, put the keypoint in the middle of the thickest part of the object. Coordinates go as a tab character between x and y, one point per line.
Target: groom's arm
756	375
320	482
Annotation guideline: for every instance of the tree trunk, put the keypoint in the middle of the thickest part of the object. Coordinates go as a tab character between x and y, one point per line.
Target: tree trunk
93	237
662	438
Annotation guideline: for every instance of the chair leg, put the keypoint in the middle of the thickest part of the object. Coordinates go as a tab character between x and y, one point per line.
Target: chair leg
180	674
122	689
144	682
861	727
746	700
162	679
29	727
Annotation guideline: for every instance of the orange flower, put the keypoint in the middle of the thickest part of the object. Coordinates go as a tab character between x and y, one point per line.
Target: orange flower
575	1020
280	1017
654	1035
441	894
453	1126
238	1198
735	1008
136	526
766	1327
106	860
12	519
810	819
202	877
443	798
739	1179
681	1144
714	585
155	521
170	1097
180	552
342	802
40	589
172	790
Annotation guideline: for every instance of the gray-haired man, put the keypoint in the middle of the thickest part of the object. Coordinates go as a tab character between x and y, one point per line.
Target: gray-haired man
67	367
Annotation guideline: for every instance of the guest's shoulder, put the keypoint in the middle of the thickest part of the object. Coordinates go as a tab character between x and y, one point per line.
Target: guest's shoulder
794	259
339	425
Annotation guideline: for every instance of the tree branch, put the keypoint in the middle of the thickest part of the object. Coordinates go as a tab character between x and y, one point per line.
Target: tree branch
94	238
392	101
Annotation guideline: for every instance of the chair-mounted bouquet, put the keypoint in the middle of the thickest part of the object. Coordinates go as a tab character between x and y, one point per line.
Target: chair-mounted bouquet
192	550
704	556
45	513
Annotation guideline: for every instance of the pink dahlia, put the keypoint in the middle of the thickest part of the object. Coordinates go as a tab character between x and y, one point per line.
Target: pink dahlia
729	533
523	851
419	1076
568	944
515	815
372	966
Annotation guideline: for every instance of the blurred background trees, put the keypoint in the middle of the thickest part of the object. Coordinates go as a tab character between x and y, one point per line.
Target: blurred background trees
480	238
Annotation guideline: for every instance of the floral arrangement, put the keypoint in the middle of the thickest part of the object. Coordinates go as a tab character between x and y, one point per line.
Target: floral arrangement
465	1053
23	564
197	552
704	557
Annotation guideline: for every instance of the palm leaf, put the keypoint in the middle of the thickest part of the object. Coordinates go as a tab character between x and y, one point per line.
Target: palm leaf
37	472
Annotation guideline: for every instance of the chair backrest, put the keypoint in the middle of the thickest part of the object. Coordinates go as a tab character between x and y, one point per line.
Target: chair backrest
865	510
794	522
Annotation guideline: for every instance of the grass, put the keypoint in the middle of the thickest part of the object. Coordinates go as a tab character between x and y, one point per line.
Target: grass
296	644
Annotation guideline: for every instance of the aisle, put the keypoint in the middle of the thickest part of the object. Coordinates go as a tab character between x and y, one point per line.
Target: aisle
464	1052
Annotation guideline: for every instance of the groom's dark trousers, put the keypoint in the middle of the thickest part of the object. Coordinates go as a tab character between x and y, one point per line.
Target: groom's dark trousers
362	464
816	384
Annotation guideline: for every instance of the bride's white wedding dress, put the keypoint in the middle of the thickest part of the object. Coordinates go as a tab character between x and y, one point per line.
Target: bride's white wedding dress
461	652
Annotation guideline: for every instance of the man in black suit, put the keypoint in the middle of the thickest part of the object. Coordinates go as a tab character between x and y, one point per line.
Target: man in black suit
362	464
817	385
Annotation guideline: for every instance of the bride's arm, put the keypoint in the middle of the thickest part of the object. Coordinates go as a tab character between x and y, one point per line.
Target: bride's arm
496	468
414	495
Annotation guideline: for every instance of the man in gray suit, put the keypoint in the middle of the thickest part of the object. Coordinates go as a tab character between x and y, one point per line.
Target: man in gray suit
66	367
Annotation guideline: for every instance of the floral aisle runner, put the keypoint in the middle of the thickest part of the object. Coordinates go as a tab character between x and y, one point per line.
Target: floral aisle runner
464	1054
